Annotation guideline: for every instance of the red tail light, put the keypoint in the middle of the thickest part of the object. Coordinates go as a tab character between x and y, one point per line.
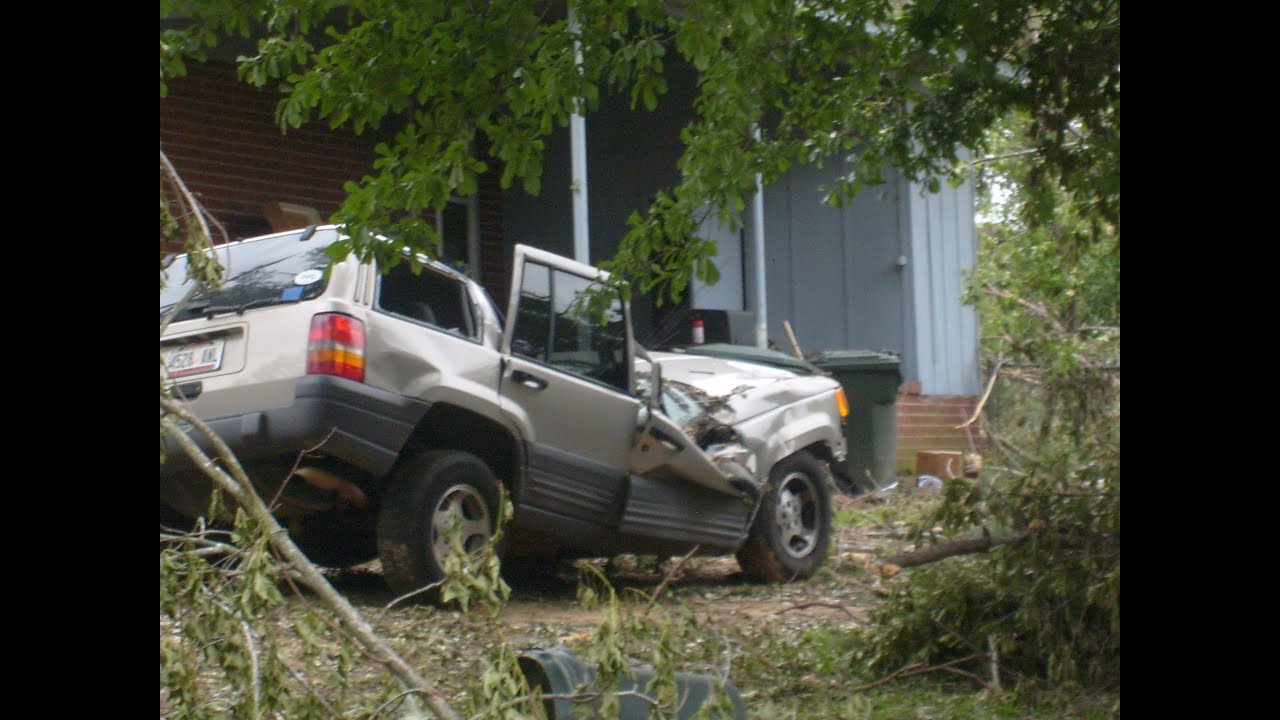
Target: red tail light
336	346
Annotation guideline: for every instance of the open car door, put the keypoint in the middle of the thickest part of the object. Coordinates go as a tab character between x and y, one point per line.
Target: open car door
569	377
567	381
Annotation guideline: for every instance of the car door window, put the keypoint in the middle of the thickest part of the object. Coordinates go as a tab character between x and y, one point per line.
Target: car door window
557	324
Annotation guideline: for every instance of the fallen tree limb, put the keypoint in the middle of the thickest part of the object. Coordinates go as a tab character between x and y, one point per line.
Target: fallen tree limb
666	579
977	545
977	410
950	549
806	605
235	483
920	669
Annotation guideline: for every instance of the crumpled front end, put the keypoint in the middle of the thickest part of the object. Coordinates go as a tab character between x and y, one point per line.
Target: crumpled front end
744	417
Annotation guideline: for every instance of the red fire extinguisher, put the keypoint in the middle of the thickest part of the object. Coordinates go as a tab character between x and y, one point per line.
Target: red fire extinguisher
699	331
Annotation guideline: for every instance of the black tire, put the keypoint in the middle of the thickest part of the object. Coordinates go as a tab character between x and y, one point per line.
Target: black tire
436	486
792	530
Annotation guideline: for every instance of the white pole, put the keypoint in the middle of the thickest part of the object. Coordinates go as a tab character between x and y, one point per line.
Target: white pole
578	159
757	231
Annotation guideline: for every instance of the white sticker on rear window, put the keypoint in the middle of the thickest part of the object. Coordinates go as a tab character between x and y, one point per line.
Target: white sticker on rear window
306	277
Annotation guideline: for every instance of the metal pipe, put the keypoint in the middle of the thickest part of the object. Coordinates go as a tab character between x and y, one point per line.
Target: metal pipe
757	232
578	158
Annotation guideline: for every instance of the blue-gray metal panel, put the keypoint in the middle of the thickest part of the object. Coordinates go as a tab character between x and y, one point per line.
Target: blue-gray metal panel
817	265
873	285
910	343
949	303
969	353
942	242
937	287
919	265
727	294
777	271
832	271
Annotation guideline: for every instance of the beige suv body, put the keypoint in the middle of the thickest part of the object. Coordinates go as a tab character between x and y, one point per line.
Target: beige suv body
381	411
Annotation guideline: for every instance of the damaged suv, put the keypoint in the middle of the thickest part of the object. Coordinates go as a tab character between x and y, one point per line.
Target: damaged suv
382	412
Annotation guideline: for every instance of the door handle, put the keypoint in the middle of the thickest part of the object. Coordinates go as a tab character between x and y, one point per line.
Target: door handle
528	380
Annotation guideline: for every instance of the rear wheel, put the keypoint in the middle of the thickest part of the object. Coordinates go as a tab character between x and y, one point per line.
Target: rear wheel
792	531
433	496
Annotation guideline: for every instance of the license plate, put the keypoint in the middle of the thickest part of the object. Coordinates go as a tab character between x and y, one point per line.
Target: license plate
194	358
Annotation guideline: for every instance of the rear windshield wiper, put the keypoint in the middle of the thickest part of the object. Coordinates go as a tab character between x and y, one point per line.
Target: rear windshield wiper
210	311
195	307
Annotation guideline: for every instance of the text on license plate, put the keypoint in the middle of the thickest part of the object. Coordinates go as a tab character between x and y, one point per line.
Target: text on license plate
194	358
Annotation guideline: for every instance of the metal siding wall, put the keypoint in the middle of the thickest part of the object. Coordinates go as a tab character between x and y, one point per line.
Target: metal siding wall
910	306
631	154
920	265
817	267
967	353
873	288
949	306
937	288
727	293
850	302
777	250
942	242
831	271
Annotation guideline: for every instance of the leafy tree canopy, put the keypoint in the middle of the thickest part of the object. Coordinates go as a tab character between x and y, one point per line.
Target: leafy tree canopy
465	88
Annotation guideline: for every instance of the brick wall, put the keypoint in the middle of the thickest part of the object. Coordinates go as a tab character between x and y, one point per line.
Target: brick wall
221	135
222	138
927	422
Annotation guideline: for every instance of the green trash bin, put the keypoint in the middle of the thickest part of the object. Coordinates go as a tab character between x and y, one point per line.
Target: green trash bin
870	379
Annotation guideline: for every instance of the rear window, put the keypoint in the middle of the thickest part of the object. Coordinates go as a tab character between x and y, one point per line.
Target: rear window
272	270
430	297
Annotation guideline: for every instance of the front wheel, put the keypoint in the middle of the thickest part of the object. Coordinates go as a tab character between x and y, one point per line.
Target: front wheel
792	531
437	494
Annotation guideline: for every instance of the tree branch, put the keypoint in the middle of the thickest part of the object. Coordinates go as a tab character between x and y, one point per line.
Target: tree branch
954	548
413	593
919	669
666	580
951	549
802	606
207	546
1014	154
238	485
255	672
977	410
1036	309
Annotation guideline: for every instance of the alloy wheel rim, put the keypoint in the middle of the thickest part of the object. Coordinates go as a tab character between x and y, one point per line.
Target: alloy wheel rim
796	515
460	510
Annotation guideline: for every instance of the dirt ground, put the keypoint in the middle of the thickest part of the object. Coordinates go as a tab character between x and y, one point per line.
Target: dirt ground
543	612
449	647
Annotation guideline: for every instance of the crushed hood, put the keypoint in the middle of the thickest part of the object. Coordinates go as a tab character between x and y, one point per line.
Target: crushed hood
732	390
